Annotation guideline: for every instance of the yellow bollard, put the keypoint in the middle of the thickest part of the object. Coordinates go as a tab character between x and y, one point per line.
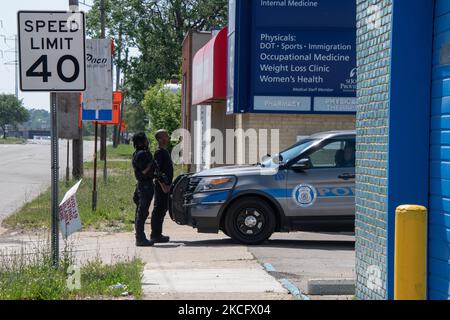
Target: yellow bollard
410	270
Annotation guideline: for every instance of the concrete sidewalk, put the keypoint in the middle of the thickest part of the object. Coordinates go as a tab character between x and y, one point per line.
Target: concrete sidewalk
191	266
209	266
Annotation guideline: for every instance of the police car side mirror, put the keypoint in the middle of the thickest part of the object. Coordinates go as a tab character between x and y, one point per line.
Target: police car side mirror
301	165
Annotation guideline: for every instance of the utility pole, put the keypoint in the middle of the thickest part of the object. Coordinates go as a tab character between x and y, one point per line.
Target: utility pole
55	180
15	62
77	144
55	169
119	56
16	49
122	106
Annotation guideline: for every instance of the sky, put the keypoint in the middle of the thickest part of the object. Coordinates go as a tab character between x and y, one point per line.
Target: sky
8	29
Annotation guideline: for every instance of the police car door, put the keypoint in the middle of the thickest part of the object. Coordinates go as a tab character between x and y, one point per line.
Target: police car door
321	183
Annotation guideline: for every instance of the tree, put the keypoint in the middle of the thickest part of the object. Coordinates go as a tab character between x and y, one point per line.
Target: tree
135	117
163	107
156	28
12	112
39	120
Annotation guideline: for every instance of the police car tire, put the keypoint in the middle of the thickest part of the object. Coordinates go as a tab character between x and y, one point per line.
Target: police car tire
263	208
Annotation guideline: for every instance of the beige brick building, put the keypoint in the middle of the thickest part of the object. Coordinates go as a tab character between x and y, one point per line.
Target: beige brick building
290	126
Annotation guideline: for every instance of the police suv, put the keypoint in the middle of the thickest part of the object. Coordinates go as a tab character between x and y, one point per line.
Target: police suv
310	186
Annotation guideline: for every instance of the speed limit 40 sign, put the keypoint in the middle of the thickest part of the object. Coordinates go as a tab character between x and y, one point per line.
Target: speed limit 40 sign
52	51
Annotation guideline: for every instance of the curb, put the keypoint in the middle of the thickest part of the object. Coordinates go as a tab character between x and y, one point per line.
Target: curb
289	286
331	287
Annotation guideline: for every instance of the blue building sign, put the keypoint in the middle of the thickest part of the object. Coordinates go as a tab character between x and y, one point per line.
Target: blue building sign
292	56
96	115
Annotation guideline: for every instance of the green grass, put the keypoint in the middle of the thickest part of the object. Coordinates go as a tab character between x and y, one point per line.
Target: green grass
115	206
98	278
12	140
123	151
32	277
112	165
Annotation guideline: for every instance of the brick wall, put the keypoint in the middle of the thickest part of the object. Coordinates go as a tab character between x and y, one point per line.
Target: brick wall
373	47
290	126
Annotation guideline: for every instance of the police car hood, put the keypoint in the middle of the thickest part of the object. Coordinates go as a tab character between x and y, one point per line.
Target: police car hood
236	171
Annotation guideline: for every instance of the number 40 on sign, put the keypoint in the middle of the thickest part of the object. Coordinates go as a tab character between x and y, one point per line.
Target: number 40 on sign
52	51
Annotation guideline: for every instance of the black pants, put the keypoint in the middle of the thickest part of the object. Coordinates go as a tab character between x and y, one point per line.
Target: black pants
143	196
159	210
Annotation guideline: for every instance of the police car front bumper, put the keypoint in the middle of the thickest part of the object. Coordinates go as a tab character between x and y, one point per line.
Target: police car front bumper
205	218
200	210
205	209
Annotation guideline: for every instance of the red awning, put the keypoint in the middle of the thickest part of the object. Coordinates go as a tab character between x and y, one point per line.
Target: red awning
209	79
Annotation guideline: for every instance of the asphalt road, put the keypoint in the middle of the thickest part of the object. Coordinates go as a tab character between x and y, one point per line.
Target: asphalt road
303	256
25	171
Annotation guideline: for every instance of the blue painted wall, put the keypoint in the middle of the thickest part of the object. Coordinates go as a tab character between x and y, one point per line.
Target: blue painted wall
393	126
409	111
439	220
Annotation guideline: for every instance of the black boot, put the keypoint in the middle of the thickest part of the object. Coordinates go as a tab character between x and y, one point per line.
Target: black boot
160	239
144	243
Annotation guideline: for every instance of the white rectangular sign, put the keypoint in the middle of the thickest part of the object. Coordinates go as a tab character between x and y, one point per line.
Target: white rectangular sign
99	82
333	104
52	51
269	103
69	216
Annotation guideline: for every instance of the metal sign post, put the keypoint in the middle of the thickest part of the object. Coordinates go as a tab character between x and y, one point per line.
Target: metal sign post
55	180
94	189
67	163
52	59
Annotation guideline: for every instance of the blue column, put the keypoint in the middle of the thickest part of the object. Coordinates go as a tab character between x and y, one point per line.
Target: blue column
409	112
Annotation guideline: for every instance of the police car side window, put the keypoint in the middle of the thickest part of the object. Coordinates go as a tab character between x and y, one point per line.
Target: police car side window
336	154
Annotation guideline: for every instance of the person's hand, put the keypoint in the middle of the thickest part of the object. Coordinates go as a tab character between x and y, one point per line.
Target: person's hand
165	188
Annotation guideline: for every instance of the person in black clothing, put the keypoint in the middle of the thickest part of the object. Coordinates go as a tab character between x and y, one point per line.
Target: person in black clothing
144	172
164	177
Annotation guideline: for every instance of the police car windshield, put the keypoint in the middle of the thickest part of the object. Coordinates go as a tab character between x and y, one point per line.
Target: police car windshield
291	152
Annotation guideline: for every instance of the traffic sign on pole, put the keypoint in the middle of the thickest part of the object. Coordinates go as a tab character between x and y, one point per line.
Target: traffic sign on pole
52	51
52	58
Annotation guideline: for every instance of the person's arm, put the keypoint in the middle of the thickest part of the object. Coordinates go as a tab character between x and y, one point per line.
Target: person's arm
161	161
144	163
147	170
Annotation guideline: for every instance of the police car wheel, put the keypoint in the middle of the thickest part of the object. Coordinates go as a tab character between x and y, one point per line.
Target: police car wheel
250	221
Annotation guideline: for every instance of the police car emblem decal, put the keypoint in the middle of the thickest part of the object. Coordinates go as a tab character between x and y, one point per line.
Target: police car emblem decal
304	195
